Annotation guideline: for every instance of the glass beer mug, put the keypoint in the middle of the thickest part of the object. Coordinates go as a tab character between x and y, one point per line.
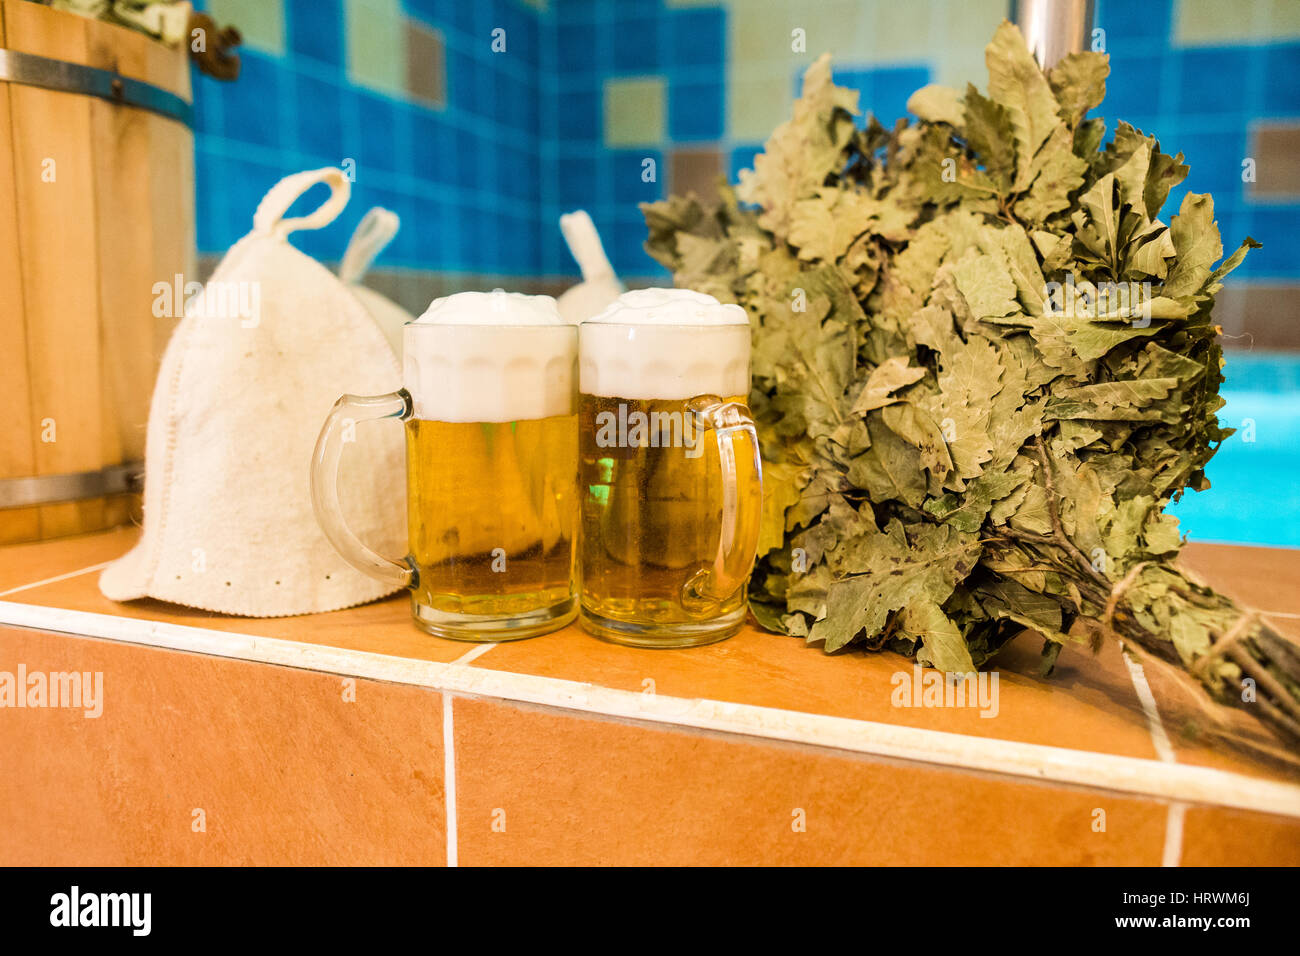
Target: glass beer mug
669	469
491	460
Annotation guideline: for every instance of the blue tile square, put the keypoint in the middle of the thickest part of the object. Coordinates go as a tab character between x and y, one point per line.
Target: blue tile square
449	238
627	171
315	29
517	250
1140	18
1132	88
1213	80
697	38
503	103
636	44
576	47
377	148
433	152
742	157
324	245
1135	26
239	191
469	167
463	82
553	257
641	8
849	77
530	113
540	235
207	109
695	111
1174	201
487	245
516	106
212	234
579	116
318	119
1215	159
882	91
430	11
628	236
1282	87
1275	227
576	11
891	87
521	28
529	30
577	182
425	225
404	250
251	104
465	16
516	175
497	14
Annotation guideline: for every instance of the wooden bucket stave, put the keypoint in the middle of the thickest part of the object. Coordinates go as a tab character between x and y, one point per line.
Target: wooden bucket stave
96	207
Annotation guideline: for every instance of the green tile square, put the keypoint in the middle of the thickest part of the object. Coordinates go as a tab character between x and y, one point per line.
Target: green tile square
376	44
635	110
260	22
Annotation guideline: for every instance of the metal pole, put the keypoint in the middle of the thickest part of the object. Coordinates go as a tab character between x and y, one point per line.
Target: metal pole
1053	28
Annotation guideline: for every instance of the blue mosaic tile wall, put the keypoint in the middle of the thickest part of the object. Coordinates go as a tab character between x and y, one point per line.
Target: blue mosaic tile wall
464	178
522	137
1203	101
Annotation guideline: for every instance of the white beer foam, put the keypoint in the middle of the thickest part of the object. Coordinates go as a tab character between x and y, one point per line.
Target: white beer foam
497	307
489	357
665	344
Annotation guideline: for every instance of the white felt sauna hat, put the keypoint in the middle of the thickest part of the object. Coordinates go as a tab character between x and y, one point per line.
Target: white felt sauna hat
373	233
599	286
246	381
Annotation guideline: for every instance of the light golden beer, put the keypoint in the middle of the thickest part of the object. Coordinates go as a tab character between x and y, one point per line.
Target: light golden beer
669	476
652	511
492	514
489	400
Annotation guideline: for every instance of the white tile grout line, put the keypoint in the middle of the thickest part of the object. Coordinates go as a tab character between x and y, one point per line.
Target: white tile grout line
1044	763
1173	855
1173	852
449	778
57	577
449	758
1159	738
471	656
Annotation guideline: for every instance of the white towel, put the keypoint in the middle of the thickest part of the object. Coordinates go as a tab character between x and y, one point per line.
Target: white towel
599	286
375	231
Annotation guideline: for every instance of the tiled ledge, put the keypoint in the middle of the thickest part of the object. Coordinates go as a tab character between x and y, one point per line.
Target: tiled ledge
565	749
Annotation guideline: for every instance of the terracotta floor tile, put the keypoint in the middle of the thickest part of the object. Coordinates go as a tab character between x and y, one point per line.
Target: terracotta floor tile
537	786
284	768
381	627
23	564
1213	836
1267	579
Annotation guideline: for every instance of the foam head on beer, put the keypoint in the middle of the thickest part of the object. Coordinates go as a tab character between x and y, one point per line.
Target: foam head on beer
665	344
489	357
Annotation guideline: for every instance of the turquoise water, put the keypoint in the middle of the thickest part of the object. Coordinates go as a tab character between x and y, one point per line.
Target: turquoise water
1254	496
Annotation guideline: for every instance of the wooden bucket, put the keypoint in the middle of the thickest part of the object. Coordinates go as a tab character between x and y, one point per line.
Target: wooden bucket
96	208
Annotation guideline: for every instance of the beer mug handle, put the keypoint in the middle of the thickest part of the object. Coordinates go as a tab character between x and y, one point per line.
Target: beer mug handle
738	537
351	410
